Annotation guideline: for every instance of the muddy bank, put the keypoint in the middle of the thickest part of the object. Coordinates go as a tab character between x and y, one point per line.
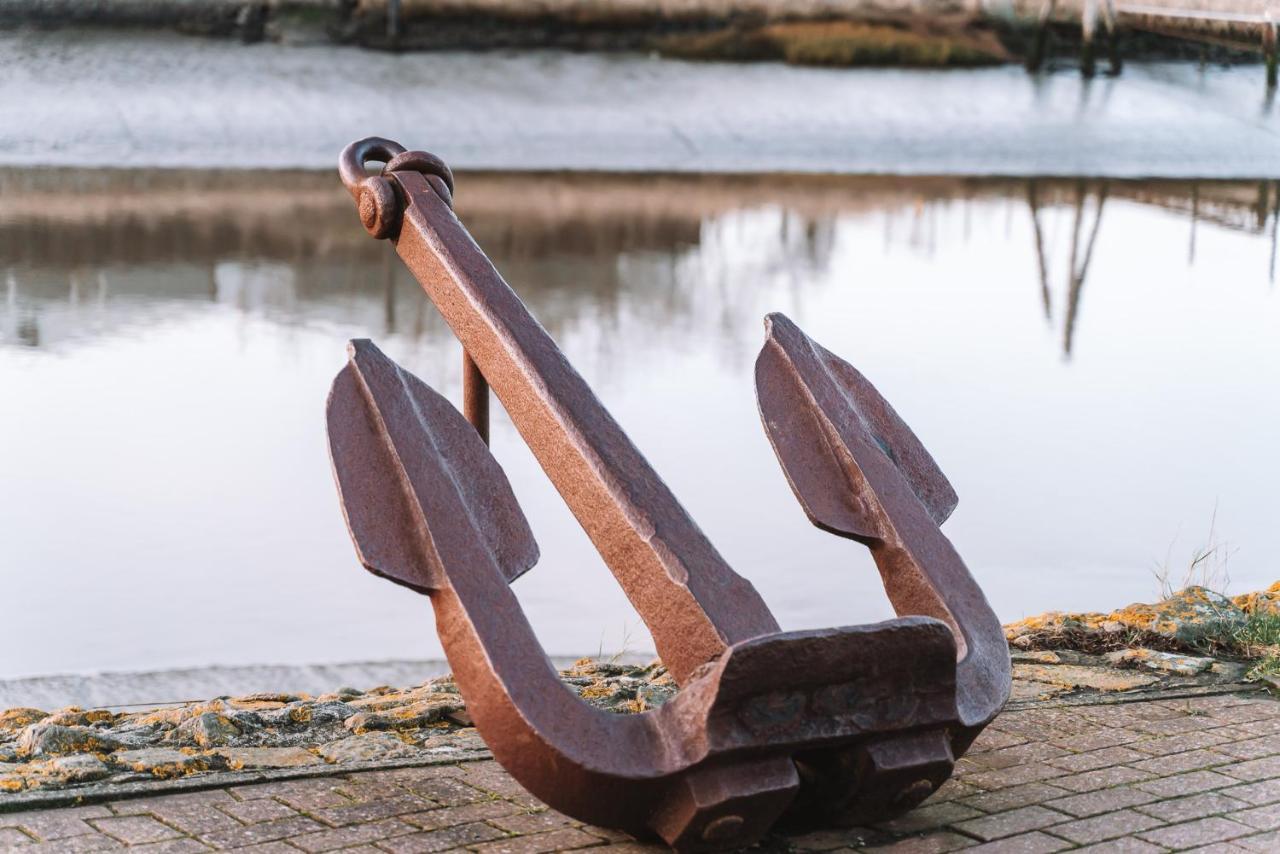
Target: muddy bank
847	33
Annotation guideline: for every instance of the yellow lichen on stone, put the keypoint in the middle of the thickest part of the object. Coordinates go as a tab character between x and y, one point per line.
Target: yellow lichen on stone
1261	602
598	690
16	719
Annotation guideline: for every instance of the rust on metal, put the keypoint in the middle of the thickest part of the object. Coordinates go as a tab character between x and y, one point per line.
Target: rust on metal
857	723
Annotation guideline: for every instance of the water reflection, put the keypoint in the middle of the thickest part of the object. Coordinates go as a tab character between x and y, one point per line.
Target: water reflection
86	254
167	338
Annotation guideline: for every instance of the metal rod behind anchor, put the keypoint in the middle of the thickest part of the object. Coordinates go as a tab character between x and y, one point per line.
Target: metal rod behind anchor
475	396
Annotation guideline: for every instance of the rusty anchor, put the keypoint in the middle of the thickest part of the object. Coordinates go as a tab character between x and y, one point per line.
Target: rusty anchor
847	724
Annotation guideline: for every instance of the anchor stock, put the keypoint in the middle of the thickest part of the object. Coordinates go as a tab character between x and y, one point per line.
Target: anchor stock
852	723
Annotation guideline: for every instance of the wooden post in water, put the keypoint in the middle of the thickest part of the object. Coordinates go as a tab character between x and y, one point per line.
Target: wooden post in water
1113	28
1088	26
1039	42
393	23
1269	49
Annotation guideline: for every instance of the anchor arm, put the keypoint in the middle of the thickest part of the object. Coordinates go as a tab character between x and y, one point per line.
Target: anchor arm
859	472
429	508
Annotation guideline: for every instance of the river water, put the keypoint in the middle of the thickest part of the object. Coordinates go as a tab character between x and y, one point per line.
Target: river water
167	340
1094	362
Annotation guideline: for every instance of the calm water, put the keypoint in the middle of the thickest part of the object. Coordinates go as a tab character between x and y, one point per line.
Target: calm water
167	341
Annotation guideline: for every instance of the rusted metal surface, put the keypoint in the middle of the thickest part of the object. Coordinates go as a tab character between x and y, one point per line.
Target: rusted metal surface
845	724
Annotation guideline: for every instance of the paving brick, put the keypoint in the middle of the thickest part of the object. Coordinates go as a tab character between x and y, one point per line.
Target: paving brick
1033	751
1192	807
1179	763
449	791
953	790
993	738
78	844
1263	818
1164	745
268	848
1201	832
1004	777
1267	726
1099	828
442	840
55	824
1103	778
1101	801
1121	846
1172	726
1186	784
318	799
11	837
1096	759
268	831
194	818
489	777
344	837
371	810
1011	823
183	800
1097	739
1014	797
1269	842
465	814
564	839
1256	769
934	843
257	810
532	822
606	833
366	787
1252	748
1027	843
824	840
134	829
1246	712
1258	794
169	846
930	817
300	794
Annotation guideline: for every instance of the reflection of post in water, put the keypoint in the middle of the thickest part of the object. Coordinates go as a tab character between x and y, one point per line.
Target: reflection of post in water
1195	220
1275	222
1080	267
1033	200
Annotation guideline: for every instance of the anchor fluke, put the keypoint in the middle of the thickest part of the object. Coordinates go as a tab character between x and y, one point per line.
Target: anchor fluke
385	424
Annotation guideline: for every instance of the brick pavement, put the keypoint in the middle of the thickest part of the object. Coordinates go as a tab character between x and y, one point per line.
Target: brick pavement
1199	774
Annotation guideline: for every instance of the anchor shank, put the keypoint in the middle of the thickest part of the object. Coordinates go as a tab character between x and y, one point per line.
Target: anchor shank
691	600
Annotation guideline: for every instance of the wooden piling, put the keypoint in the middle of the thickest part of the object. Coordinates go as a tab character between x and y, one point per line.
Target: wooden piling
1269	51
1040	42
1088	26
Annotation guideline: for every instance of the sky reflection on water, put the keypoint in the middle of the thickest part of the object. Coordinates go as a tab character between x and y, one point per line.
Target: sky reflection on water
167	341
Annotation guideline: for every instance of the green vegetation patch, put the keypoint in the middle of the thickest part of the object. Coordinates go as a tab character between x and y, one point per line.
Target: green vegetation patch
842	43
